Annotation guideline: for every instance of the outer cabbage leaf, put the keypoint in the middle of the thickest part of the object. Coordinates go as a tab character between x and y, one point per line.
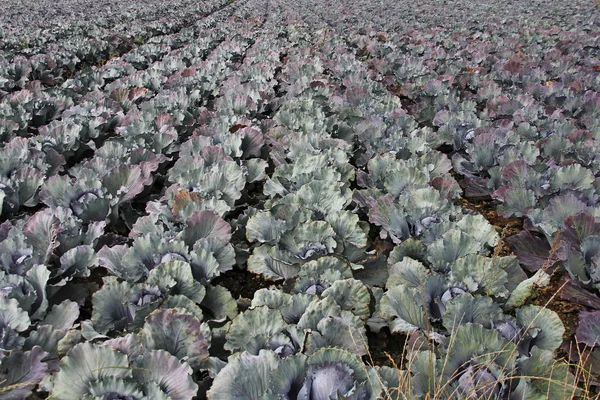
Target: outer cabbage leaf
255	169
179	334
38	277
317	311
111	310
580	227
345	332
581	241
222	180
322	197
405	179
588	331
572	177
145	299
465	308
252	141
481	274
114	259
542	325
184	203
205	225
317	275
85	365
491	359
124	182
411	248
527	288
175	277
408	272
391	380
219	303
533	252
544	378
130	344
560	207
516	201
287	380
20	372
336	372
280	343
346	226
425	209
16	254
264	228
479	229
252	323
404	307
291	306
310	239
351	295
245	377
41	231
481	382
167	372
184	303
423	367
263	261
22	187
204	264
62	316
450	247
77	262
16	287
48	339
85	196
392	218
12	316
112	387
518	173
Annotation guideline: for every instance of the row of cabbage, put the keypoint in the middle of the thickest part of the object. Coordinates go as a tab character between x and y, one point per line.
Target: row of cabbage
515	102
252	139
38	45
101	151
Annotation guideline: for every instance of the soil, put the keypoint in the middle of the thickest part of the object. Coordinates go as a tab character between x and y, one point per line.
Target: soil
567	311
242	283
547	296
505	227
388	349
385	348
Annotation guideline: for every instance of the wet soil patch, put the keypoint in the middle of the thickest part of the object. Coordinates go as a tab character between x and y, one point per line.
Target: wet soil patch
386	349
81	290
242	283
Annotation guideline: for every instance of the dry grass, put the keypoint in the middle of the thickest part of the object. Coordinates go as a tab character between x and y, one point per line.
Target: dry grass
576	386
5	389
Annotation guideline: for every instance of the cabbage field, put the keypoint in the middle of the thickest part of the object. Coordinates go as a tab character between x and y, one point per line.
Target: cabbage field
275	199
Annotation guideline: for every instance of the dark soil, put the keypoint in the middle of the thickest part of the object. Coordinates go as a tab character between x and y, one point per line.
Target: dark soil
506	227
242	283
568	311
386	348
